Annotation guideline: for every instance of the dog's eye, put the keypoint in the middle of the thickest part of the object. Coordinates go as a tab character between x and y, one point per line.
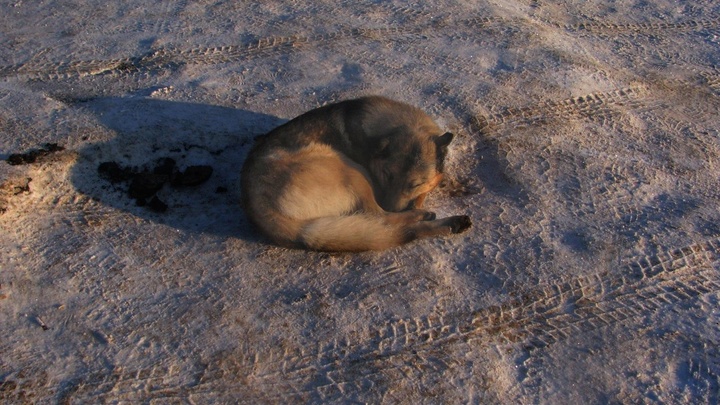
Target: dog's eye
387	174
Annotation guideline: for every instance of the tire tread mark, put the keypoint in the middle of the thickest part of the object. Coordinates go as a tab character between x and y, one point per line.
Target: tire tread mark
588	106
278	44
602	27
712	79
537	318
263	47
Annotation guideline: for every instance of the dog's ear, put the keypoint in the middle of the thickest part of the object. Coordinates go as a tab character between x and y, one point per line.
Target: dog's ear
380	147
442	142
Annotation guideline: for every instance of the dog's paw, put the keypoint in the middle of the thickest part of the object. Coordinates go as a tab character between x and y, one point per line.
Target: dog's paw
460	223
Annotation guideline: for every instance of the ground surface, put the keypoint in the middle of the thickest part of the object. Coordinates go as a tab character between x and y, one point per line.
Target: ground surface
587	154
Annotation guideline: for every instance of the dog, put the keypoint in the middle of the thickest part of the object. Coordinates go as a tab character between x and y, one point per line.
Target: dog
350	176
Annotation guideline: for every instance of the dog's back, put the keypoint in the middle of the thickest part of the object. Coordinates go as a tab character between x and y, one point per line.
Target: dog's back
333	178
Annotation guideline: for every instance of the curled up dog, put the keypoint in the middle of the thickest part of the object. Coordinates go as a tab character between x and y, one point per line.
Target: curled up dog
350	176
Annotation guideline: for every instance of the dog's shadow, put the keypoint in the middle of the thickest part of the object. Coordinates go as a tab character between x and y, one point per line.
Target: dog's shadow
149	133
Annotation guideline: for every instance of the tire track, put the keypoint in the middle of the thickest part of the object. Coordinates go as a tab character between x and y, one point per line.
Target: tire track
62	70
712	79
264	47
694	359
648	28
592	106
626	44
274	45
534	318
261	48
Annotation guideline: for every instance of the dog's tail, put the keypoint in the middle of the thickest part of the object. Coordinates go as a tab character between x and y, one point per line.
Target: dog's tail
365	231
358	232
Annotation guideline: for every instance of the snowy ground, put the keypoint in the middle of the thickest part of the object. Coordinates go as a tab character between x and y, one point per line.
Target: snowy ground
587	154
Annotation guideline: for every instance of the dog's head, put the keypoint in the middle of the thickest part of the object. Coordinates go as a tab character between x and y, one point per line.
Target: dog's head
406	164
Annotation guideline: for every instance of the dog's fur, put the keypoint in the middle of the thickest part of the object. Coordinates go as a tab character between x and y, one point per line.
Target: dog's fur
350	176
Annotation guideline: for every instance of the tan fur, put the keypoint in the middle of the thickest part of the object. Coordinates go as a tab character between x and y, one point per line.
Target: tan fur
348	177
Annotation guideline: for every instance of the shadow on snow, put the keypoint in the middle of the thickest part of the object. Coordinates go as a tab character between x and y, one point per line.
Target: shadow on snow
149	132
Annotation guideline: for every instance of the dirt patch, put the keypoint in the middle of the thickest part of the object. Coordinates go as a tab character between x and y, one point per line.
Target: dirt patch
34	155
142	184
11	188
